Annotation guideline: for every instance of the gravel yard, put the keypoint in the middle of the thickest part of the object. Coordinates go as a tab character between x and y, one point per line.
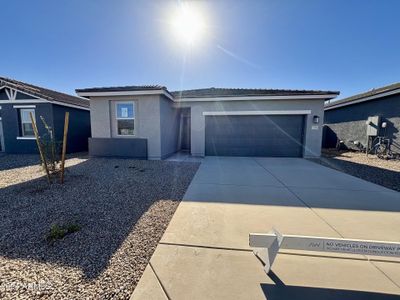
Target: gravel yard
370	168
122	208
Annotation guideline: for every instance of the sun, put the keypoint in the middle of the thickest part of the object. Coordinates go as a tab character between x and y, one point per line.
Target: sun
188	23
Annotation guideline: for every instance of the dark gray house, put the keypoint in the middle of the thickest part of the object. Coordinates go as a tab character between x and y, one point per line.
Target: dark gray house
346	119
19	99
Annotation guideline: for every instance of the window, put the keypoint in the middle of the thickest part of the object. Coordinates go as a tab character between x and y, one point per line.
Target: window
125	113
26	122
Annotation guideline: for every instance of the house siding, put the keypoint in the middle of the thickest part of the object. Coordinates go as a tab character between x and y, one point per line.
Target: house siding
78	129
347	123
11	127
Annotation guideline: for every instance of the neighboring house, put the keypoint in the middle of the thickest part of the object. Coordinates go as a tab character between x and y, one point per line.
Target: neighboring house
19	99
151	122
345	120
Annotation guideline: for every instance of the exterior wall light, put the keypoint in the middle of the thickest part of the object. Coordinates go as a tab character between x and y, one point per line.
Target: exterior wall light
315	119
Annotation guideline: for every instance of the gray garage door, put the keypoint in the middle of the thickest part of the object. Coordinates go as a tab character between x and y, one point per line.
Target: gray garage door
273	135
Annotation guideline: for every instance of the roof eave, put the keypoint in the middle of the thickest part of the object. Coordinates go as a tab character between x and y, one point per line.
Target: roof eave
259	97
41	96
343	102
83	93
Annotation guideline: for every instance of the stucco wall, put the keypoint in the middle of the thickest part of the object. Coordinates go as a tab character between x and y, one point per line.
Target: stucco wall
170	121
312	138
118	147
147	119
348	123
100	117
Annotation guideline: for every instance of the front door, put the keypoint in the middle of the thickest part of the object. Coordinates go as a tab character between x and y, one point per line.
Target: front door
185	138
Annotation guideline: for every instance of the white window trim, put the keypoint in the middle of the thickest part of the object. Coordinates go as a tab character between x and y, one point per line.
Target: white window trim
256	112
22	123
116	118
24	106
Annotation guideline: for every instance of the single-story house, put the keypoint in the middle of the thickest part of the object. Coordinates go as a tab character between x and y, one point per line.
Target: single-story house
346	119
19	99
152	122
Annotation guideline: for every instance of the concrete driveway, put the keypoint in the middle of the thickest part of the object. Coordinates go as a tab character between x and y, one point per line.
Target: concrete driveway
204	252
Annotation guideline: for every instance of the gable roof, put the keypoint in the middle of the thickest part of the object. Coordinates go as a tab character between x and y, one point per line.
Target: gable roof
241	92
387	90
50	95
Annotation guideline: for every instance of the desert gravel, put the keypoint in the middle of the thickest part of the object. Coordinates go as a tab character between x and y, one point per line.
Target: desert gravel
370	168
122	206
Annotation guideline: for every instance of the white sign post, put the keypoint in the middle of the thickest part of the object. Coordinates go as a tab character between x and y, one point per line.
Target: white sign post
266	246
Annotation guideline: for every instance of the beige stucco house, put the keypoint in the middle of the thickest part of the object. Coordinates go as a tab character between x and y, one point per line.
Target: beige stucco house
152	122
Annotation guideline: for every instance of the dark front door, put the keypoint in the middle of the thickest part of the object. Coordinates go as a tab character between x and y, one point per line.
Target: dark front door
255	135
185	138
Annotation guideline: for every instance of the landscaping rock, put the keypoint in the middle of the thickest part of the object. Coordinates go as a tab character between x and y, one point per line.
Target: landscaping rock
370	168
121	212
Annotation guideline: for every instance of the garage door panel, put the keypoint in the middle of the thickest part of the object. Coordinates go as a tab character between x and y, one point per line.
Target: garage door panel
254	135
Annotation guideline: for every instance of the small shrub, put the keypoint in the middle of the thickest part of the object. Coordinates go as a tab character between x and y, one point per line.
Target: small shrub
51	148
58	232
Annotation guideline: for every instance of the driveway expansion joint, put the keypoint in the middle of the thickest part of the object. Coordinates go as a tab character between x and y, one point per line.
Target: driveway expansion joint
301	200
384	274
159	281
205	247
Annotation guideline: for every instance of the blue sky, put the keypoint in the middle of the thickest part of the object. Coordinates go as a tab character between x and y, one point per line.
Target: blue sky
345	45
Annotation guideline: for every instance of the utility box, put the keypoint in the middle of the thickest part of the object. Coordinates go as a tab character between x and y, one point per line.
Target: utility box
373	126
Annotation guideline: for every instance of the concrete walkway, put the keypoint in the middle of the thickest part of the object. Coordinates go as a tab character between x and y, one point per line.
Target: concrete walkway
204	252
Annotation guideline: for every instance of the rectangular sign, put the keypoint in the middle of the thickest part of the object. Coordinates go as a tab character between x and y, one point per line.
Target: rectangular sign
307	243
266	246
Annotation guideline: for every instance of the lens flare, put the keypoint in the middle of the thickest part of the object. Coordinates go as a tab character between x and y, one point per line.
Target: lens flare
188	24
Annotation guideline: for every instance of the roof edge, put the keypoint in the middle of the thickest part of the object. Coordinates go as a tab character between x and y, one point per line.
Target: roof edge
125	93
258	97
373	94
179	96
49	95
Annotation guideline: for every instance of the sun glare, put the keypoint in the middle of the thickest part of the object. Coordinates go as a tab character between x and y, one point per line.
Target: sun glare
188	24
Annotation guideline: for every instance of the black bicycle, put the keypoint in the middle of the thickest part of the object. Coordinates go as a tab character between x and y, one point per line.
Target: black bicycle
381	148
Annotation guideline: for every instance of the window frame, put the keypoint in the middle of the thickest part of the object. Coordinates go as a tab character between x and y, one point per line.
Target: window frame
21	122
132	118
